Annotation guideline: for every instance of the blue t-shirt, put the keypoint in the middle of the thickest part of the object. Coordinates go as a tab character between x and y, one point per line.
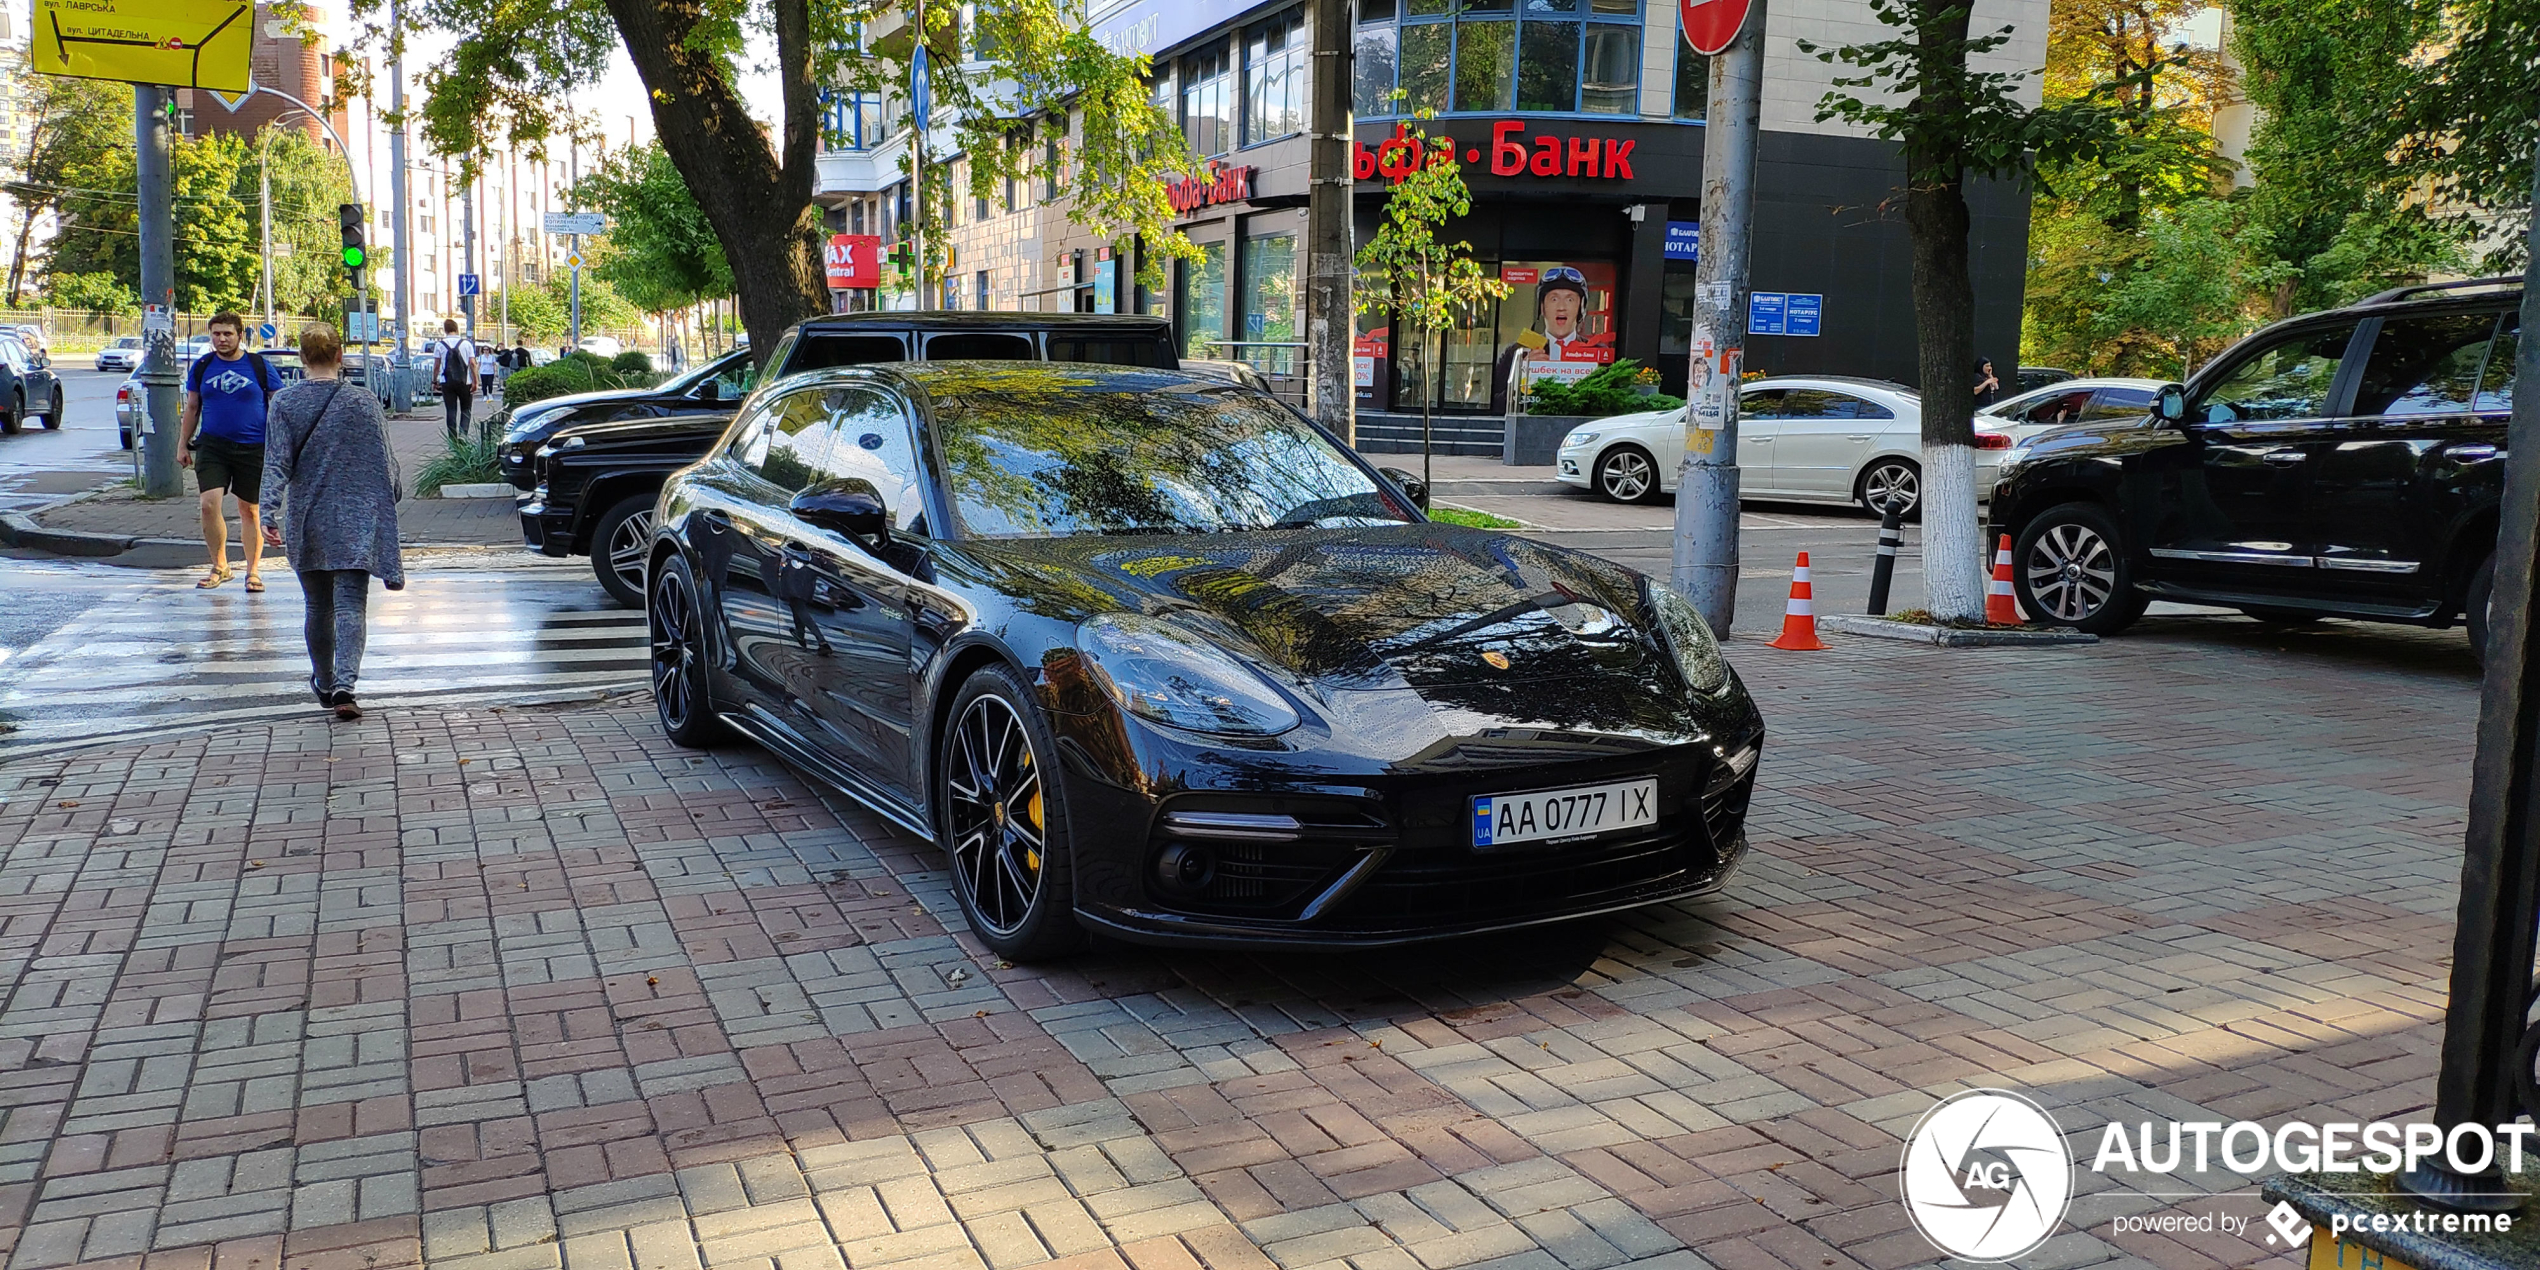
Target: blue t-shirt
234	395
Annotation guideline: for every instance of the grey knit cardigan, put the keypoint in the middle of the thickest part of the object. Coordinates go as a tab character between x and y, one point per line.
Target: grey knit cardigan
337	504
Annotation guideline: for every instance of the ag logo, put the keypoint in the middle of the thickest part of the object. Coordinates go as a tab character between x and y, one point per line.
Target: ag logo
1987	1176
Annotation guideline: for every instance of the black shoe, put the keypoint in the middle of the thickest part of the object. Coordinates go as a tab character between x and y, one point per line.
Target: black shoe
345	707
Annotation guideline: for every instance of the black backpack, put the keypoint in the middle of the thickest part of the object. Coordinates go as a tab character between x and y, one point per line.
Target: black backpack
458	373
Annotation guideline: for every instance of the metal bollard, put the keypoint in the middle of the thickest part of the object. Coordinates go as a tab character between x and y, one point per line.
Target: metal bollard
1891	537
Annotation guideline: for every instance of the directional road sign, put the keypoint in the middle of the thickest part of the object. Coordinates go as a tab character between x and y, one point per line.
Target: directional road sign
467	284
573	259
188	43
576	223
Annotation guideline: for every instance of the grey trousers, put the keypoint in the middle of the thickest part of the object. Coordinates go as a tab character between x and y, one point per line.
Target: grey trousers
338	625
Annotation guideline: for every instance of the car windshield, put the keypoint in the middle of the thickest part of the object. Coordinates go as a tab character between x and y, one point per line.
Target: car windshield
1034	452
703	372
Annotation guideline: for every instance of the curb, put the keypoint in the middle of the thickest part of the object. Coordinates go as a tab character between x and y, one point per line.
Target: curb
1945	637
17	529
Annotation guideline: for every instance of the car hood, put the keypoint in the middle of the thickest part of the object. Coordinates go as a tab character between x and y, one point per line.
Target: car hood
1438	609
706	425
1639	419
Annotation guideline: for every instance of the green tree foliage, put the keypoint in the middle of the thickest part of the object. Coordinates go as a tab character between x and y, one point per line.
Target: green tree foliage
70	124
660	252
1427	282
2346	94
516	63
95	292
308	184
544	312
215	231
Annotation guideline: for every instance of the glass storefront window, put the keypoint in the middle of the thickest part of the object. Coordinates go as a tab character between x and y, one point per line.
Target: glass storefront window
1484	57
1609	78
1199	302
1693	82
1270	302
1372	70
1554	57
1547	77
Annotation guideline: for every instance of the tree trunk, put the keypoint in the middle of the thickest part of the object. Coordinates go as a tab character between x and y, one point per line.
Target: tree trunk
1944	322
757	200
17	257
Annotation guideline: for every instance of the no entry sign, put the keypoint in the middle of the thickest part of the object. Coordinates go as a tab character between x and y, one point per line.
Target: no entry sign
1711	25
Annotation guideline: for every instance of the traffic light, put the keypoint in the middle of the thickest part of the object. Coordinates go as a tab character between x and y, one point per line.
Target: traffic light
348	217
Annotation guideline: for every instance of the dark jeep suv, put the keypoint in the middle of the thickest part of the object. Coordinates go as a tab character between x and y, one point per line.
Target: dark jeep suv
2347	463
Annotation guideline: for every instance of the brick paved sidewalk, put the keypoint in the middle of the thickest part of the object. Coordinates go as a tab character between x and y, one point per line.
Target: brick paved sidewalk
498	990
417	437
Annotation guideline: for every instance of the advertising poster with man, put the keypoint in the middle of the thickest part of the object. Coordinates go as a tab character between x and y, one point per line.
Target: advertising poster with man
1569	331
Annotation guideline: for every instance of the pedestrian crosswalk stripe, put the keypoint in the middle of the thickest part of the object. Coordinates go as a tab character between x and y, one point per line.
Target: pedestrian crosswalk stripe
170	658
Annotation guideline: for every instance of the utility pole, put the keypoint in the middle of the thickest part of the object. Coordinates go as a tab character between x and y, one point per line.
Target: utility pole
467	218
1329	323
404	258
921	92
264	223
1704	567
160	375
575	192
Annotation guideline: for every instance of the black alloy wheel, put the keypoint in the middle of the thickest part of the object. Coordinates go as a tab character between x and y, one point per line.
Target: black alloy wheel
679	659
1003	815
619	545
16	417
1627	474
1893	482
2071	570
53	416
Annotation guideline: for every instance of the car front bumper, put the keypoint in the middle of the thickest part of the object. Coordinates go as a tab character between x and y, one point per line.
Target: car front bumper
547	531
1570	467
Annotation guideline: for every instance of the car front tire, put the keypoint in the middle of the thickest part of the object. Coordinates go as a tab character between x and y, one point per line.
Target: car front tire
619	545
677	625
53	414
1001	811
2070	569
1627	474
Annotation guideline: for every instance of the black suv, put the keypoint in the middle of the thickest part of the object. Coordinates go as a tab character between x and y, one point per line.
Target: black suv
717	385
592	479
2348	463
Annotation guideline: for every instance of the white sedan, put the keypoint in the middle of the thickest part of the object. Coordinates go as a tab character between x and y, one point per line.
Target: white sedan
1813	439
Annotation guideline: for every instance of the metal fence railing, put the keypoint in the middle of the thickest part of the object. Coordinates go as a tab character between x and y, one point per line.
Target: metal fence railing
85	331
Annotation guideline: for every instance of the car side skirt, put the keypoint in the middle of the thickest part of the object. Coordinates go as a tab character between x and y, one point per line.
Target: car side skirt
776	740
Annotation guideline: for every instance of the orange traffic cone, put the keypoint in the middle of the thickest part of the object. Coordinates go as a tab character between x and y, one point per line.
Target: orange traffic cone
2001	608
1799	621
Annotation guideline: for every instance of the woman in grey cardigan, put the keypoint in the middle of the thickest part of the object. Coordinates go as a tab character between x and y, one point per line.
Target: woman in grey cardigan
333	487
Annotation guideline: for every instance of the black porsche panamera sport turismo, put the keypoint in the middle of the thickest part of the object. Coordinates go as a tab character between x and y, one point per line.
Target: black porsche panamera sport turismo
1151	654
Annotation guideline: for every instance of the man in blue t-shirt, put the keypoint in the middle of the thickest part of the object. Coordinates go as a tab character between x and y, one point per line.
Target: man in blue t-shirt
223	440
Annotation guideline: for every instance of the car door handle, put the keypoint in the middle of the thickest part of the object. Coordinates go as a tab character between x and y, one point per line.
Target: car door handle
2282	458
1863	436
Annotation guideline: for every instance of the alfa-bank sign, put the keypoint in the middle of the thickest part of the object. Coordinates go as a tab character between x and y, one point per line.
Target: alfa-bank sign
1511	152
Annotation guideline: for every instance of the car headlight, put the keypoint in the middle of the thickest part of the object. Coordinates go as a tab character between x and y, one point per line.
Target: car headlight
1577	439
1165	675
1689	638
2015	456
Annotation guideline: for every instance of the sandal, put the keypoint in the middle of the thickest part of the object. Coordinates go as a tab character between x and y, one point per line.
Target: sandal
255	584
214	578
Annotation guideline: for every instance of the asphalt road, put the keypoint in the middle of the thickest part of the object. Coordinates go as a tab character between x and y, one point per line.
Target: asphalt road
39	465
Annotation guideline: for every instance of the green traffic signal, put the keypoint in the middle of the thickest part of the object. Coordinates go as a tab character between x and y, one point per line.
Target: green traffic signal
352	257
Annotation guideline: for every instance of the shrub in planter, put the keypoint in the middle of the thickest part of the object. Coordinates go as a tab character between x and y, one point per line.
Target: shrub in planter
576	372
631	362
1622	387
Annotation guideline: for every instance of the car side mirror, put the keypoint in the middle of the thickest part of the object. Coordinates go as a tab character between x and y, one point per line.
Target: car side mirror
849	506
2171	406
710	390
1411	485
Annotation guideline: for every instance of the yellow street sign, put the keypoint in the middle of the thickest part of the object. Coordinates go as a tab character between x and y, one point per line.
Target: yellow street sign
573	260
186	43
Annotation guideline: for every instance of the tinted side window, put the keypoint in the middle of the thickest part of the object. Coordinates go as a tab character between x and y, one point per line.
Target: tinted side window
1111	351
2289	379
1807	403
2496	387
870	440
794	444
820	351
1839	406
2426	365
1766	404
2055	408
2119	403
992	346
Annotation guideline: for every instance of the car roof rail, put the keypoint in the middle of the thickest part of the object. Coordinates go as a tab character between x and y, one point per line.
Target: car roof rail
2500	282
